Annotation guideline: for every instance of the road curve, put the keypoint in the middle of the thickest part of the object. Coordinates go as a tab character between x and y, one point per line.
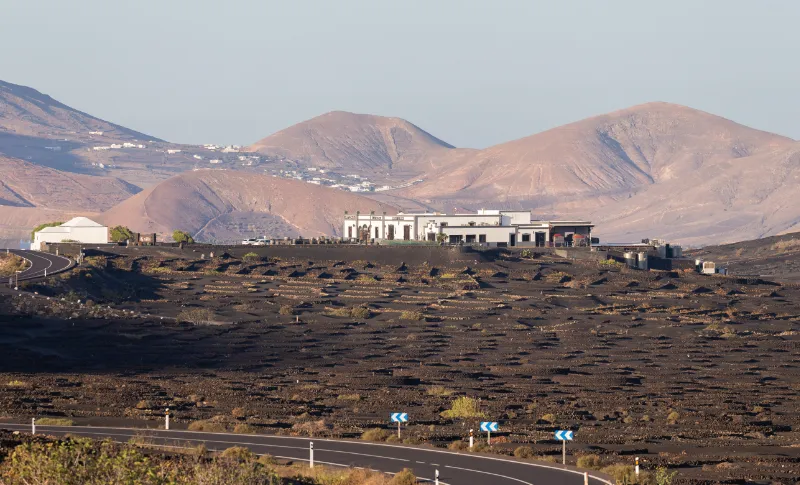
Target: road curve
41	264
454	468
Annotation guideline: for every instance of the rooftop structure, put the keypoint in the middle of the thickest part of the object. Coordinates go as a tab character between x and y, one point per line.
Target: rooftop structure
493	228
79	229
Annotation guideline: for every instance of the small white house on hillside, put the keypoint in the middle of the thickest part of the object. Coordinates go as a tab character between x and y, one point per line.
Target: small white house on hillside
79	229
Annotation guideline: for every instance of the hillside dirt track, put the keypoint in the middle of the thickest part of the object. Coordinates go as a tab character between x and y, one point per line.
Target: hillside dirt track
697	372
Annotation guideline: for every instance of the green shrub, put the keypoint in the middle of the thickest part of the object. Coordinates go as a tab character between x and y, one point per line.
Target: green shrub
463	407
673	417
360	312
286	310
664	476
182	237
251	257
121	234
590	461
375	434
549	418
55	422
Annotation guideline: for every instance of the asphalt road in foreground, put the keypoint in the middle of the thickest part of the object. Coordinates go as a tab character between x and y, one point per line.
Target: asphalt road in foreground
41	264
454	468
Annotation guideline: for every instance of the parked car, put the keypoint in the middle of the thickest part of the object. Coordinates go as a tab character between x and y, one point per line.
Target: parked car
249	242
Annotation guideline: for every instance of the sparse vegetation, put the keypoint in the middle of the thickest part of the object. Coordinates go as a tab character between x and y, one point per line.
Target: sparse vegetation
182	237
120	234
354	312
439	391
286	310
375	434
55	422
42	226
463	407
10	264
251	257
196	316
209	426
409	315
595	462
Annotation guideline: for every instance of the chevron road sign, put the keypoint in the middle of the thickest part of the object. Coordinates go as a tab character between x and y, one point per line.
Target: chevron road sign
562	435
399	418
489	426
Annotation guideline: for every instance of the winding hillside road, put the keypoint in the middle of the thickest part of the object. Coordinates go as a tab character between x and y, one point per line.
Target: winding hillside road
41	264
454	468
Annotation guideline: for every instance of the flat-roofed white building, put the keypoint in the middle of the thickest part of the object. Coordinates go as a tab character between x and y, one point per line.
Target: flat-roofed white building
79	229
486	227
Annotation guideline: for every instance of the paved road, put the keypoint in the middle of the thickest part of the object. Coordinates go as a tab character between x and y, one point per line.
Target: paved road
41	263
454	468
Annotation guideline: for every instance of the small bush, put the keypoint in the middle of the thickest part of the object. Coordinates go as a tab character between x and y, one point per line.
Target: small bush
673	417
244	428
405	477
55	422
408	315
182	237
525	452
463	407
196	316
439	391
238	453
458	445
286	310
239	413
251	257
375	434
17	383
208	425
144	404
549	418
590	461
360	312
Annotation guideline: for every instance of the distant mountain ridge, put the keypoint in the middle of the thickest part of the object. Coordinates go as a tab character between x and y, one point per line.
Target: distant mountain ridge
354	142
27	112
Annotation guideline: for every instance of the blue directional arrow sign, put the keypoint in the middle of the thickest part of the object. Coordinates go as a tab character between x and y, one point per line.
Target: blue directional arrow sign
399	417
564	435
489	426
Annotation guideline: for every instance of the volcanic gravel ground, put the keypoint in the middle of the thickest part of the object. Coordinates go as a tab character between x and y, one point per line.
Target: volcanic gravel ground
693	371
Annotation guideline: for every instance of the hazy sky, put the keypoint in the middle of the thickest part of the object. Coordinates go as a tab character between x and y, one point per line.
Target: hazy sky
473	73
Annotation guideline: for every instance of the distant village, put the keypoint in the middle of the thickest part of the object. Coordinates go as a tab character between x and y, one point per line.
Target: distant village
231	156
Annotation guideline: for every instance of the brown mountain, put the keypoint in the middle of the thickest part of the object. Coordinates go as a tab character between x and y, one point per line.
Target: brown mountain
355	142
612	154
25	184
224	205
25	111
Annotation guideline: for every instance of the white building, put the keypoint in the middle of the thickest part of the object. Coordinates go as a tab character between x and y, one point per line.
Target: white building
79	229
488	227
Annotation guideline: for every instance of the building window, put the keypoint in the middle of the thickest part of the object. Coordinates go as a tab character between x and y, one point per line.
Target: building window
470	238
526	238
471	223
443	224
482	238
455	239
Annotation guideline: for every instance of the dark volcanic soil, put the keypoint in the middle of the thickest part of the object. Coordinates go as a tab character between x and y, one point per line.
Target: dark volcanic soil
697	372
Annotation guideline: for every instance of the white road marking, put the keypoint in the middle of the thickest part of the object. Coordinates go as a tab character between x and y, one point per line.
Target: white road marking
386	445
489	473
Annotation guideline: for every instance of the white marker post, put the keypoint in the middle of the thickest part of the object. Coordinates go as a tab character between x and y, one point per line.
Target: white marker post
311	454
166	419
471	438
436	478
33	425
585	478
564	452
637	467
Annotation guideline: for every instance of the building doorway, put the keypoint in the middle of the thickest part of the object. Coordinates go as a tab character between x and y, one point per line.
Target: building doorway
406	233
377	232
540	242
349	232
391	233
512	240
